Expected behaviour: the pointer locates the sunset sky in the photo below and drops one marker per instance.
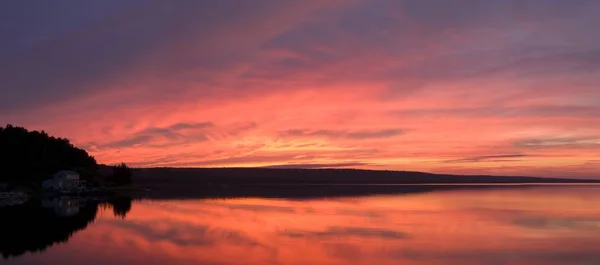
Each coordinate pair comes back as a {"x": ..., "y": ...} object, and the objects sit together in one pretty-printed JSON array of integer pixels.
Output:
[{"x": 448, "y": 86}]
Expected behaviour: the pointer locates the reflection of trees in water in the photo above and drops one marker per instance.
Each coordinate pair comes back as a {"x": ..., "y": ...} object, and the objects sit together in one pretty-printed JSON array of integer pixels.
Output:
[
  {"x": 121, "y": 206},
  {"x": 35, "y": 226},
  {"x": 31, "y": 227}
]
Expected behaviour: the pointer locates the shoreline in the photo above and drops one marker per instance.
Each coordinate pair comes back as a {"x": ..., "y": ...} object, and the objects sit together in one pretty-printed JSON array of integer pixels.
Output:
[
  {"x": 281, "y": 191},
  {"x": 13, "y": 198}
]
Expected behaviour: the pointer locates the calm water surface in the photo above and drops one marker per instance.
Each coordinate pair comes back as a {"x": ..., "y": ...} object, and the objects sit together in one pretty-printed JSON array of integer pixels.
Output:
[{"x": 518, "y": 225}]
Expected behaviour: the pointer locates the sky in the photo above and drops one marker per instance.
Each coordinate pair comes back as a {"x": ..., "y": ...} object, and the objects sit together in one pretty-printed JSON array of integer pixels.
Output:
[{"x": 500, "y": 87}]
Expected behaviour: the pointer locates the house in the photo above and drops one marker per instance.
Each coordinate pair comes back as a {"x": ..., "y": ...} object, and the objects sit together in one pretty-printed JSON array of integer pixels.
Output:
[{"x": 63, "y": 181}]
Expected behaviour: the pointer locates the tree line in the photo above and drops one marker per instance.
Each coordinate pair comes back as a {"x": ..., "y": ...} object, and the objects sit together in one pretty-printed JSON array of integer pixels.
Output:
[{"x": 30, "y": 157}]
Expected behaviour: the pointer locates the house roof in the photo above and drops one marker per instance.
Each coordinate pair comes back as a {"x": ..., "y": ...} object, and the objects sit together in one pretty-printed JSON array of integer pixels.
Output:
[{"x": 67, "y": 174}]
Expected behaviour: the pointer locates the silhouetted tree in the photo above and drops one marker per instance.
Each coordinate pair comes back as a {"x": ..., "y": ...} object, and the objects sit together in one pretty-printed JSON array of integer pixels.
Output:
[
  {"x": 121, "y": 206},
  {"x": 121, "y": 175},
  {"x": 32, "y": 156}
]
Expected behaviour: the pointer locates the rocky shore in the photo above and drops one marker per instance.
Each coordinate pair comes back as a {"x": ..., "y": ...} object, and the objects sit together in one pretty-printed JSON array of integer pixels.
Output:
[{"x": 13, "y": 198}]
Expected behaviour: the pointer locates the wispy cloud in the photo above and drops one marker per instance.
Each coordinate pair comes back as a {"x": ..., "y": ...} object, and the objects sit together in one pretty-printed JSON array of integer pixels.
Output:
[
  {"x": 558, "y": 142},
  {"x": 340, "y": 232},
  {"x": 488, "y": 158},
  {"x": 324, "y": 165},
  {"x": 174, "y": 134},
  {"x": 177, "y": 231},
  {"x": 358, "y": 135}
]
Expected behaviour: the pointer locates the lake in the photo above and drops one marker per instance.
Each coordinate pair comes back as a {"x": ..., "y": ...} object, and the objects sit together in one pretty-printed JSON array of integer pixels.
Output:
[{"x": 492, "y": 225}]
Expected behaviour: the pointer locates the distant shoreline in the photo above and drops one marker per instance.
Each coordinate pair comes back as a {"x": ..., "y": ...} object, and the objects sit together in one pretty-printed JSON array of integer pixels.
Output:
[
  {"x": 435, "y": 184},
  {"x": 272, "y": 176},
  {"x": 307, "y": 183}
]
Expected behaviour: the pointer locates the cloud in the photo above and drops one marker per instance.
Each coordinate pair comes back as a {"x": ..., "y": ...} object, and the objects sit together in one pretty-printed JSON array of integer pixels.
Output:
[
  {"x": 129, "y": 142},
  {"x": 558, "y": 142},
  {"x": 358, "y": 135},
  {"x": 261, "y": 208},
  {"x": 175, "y": 134},
  {"x": 558, "y": 223},
  {"x": 179, "y": 233},
  {"x": 488, "y": 158},
  {"x": 182, "y": 126},
  {"x": 374, "y": 134},
  {"x": 314, "y": 166},
  {"x": 371, "y": 214},
  {"x": 341, "y": 232},
  {"x": 508, "y": 111},
  {"x": 81, "y": 56},
  {"x": 464, "y": 40}
]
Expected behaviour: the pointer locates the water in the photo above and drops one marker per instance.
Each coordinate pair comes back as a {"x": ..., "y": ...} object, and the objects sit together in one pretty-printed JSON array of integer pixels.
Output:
[{"x": 509, "y": 225}]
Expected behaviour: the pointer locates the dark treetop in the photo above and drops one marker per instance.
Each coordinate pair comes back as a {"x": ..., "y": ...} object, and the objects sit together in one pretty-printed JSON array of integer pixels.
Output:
[{"x": 32, "y": 156}]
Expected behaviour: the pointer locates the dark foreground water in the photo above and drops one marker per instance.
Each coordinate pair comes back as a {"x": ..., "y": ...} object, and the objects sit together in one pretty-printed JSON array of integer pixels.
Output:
[{"x": 509, "y": 225}]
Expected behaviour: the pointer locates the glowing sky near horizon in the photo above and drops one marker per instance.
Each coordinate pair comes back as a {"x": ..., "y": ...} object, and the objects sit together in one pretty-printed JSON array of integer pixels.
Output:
[{"x": 466, "y": 86}]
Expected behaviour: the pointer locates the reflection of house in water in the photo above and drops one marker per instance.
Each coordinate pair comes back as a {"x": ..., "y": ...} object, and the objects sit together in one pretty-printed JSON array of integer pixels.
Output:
[
  {"x": 64, "y": 181},
  {"x": 63, "y": 206}
]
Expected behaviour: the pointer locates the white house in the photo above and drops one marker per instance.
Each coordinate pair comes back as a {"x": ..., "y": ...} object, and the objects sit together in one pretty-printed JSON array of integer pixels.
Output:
[{"x": 64, "y": 181}]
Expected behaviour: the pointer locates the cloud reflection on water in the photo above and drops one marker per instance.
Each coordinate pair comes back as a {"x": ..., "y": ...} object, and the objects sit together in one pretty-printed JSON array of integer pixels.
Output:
[{"x": 549, "y": 225}]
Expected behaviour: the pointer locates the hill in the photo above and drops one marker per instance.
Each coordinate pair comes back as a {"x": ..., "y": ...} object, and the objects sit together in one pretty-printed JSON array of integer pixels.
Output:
[
  {"x": 302, "y": 183},
  {"x": 251, "y": 176}
]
